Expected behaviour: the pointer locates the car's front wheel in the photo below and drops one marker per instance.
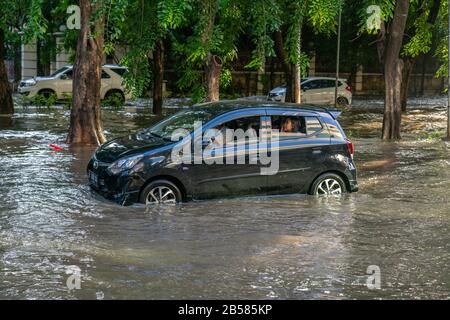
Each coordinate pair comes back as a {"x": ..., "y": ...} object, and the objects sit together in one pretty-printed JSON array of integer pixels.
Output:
[
  {"x": 328, "y": 184},
  {"x": 161, "y": 192},
  {"x": 46, "y": 93}
]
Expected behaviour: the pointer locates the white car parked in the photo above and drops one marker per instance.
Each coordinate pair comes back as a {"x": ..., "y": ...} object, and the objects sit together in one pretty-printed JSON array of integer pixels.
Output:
[
  {"x": 60, "y": 83},
  {"x": 318, "y": 90}
]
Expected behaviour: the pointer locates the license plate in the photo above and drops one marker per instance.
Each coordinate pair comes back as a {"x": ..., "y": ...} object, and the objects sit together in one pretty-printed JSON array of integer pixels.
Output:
[{"x": 93, "y": 178}]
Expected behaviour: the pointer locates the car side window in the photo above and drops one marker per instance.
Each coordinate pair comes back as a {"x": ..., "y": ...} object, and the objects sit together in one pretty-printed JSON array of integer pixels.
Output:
[
  {"x": 119, "y": 71},
  {"x": 311, "y": 85},
  {"x": 69, "y": 74},
  {"x": 313, "y": 125},
  {"x": 292, "y": 127},
  {"x": 307, "y": 85},
  {"x": 105, "y": 75},
  {"x": 236, "y": 131}
]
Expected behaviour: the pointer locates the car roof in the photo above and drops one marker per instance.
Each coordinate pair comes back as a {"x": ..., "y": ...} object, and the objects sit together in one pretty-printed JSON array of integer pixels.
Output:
[
  {"x": 224, "y": 106},
  {"x": 323, "y": 78},
  {"x": 117, "y": 66},
  {"x": 105, "y": 66}
]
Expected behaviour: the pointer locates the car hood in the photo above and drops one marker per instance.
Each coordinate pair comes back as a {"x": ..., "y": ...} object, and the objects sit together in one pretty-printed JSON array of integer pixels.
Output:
[
  {"x": 44, "y": 78},
  {"x": 128, "y": 146},
  {"x": 278, "y": 90}
]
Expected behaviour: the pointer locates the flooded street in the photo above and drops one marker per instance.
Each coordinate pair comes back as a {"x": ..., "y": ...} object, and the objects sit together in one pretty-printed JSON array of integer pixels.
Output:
[{"x": 283, "y": 247}]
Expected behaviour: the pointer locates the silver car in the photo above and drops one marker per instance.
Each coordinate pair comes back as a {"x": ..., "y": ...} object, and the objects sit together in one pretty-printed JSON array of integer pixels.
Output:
[{"x": 318, "y": 90}]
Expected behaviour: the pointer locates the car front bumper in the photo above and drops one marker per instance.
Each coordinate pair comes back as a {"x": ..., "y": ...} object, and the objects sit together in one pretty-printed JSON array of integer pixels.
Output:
[
  {"x": 123, "y": 189},
  {"x": 29, "y": 92}
]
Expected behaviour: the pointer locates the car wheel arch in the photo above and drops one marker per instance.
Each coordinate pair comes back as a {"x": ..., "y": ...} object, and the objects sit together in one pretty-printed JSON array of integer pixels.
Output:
[
  {"x": 180, "y": 185},
  {"x": 337, "y": 172},
  {"x": 113, "y": 91},
  {"x": 52, "y": 91}
]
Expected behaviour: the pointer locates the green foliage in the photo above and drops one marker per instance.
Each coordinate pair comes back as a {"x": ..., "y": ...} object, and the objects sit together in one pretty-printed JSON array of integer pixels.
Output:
[
  {"x": 442, "y": 35},
  {"x": 225, "y": 78},
  {"x": 421, "y": 41},
  {"x": 442, "y": 53},
  {"x": 173, "y": 13},
  {"x": 40, "y": 100},
  {"x": 290, "y": 17},
  {"x": 198, "y": 92},
  {"x": 114, "y": 100},
  {"x": 138, "y": 26},
  {"x": 264, "y": 20},
  {"x": 24, "y": 16},
  {"x": 322, "y": 13}
]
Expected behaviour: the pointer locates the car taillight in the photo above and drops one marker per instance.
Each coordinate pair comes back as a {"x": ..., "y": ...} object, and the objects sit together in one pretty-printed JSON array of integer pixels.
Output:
[
  {"x": 351, "y": 147},
  {"x": 348, "y": 88}
]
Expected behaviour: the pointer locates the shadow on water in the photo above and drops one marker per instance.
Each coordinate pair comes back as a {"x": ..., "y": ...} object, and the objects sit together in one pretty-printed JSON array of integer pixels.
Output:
[
  {"x": 5, "y": 122},
  {"x": 259, "y": 247}
]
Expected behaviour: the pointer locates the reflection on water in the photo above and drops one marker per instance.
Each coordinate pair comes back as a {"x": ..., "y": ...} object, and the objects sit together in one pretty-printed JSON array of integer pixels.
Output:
[{"x": 278, "y": 247}]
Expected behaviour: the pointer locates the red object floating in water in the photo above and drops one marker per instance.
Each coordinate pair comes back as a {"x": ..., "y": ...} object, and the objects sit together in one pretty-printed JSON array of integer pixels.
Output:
[{"x": 54, "y": 146}]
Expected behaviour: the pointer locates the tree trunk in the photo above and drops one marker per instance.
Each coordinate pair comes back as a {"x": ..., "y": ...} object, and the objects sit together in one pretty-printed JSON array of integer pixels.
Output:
[
  {"x": 17, "y": 63},
  {"x": 6, "y": 101},
  {"x": 411, "y": 61},
  {"x": 213, "y": 70},
  {"x": 422, "y": 78},
  {"x": 393, "y": 68},
  {"x": 296, "y": 89},
  {"x": 85, "y": 118},
  {"x": 406, "y": 79},
  {"x": 272, "y": 74},
  {"x": 213, "y": 67},
  {"x": 158, "y": 77},
  {"x": 282, "y": 57},
  {"x": 296, "y": 71}
]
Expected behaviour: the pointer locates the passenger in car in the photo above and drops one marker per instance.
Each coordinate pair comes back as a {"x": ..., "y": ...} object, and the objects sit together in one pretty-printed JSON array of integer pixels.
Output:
[
  {"x": 292, "y": 128},
  {"x": 288, "y": 125}
]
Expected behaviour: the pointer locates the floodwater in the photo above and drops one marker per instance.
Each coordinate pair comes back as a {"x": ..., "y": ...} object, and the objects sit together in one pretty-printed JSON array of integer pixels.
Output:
[{"x": 286, "y": 247}]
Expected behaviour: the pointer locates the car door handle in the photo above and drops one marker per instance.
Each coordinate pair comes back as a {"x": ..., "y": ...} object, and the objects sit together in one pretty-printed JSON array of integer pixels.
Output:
[{"x": 317, "y": 150}]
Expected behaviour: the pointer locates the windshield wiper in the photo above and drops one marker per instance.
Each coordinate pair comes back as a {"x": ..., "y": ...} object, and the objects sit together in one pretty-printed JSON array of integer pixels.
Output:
[{"x": 160, "y": 137}]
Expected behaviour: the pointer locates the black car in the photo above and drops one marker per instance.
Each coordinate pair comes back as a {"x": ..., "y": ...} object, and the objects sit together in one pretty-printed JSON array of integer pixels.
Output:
[{"x": 281, "y": 148}]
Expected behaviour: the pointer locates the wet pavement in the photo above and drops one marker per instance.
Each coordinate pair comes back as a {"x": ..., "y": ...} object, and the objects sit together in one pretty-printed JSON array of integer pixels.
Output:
[{"x": 294, "y": 247}]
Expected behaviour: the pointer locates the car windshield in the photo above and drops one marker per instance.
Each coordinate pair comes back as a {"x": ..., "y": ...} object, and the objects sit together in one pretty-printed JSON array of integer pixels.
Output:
[
  {"x": 54, "y": 74},
  {"x": 183, "y": 120}
]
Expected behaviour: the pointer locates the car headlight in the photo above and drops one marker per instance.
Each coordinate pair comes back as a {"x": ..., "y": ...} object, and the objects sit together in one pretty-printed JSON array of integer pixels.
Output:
[
  {"x": 30, "y": 83},
  {"x": 124, "y": 164}
]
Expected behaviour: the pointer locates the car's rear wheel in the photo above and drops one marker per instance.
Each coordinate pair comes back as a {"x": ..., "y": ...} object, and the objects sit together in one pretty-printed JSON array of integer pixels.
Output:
[
  {"x": 342, "y": 102},
  {"x": 161, "y": 192},
  {"x": 117, "y": 94},
  {"x": 328, "y": 184}
]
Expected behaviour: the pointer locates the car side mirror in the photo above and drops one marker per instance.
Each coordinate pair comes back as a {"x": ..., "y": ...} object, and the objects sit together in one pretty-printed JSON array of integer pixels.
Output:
[
  {"x": 207, "y": 141},
  {"x": 64, "y": 77}
]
